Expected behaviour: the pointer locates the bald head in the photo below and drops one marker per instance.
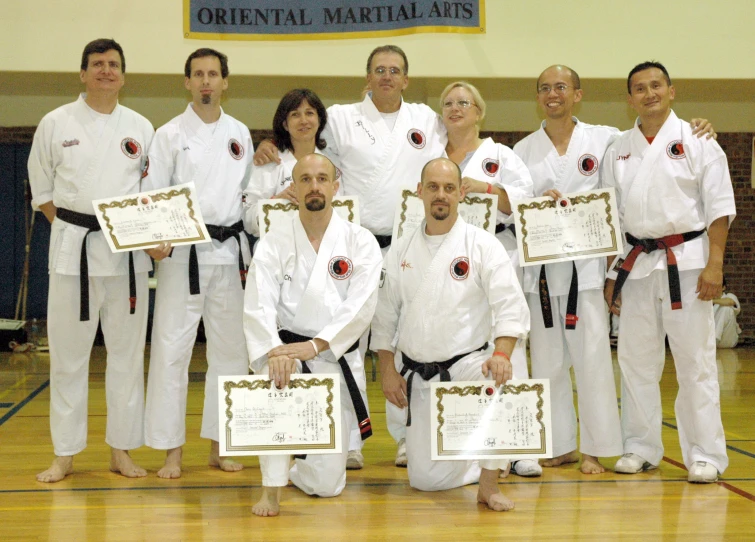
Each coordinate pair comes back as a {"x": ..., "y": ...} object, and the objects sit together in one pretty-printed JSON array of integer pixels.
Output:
[
  {"x": 563, "y": 71},
  {"x": 315, "y": 183},
  {"x": 314, "y": 160},
  {"x": 440, "y": 166}
]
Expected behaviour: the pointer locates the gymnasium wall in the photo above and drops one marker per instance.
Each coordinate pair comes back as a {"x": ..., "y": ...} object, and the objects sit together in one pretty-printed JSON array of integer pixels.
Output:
[{"x": 707, "y": 46}]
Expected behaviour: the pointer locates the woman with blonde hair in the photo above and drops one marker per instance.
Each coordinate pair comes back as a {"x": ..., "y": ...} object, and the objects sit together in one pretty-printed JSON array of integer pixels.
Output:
[{"x": 488, "y": 167}]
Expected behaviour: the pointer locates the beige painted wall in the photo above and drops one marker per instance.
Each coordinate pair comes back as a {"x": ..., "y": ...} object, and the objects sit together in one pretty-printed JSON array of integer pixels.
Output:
[
  {"x": 707, "y": 46},
  {"x": 600, "y": 38}
]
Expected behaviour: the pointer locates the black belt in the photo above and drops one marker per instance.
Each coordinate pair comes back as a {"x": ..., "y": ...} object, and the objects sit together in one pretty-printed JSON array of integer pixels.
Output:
[
  {"x": 383, "y": 240},
  {"x": 571, "y": 304},
  {"x": 427, "y": 371},
  {"x": 90, "y": 223},
  {"x": 222, "y": 234},
  {"x": 365, "y": 426},
  {"x": 501, "y": 227},
  {"x": 647, "y": 246}
]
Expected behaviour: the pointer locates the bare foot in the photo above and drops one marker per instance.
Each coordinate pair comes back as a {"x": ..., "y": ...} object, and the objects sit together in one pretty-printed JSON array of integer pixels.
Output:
[
  {"x": 61, "y": 467},
  {"x": 591, "y": 465},
  {"x": 269, "y": 503},
  {"x": 571, "y": 457},
  {"x": 223, "y": 463},
  {"x": 503, "y": 473},
  {"x": 121, "y": 463},
  {"x": 172, "y": 467},
  {"x": 490, "y": 495}
]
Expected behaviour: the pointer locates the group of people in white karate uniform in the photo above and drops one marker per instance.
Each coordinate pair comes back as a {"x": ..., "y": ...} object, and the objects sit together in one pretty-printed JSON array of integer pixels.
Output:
[{"x": 448, "y": 301}]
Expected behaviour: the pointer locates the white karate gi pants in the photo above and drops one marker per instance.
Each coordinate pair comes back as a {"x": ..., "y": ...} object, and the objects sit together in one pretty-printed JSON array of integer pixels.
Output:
[
  {"x": 323, "y": 475},
  {"x": 220, "y": 304},
  {"x": 646, "y": 318},
  {"x": 70, "y": 348},
  {"x": 587, "y": 348},
  {"x": 424, "y": 473}
]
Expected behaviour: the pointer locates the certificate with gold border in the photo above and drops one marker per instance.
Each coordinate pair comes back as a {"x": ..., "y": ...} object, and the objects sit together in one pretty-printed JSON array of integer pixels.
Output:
[
  {"x": 576, "y": 227},
  {"x": 271, "y": 212},
  {"x": 480, "y": 210},
  {"x": 146, "y": 219},
  {"x": 256, "y": 418},
  {"x": 477, "y": 420}
]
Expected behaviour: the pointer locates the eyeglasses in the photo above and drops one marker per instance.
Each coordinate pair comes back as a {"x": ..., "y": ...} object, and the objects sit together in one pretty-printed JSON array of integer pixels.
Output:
[
  {"x": 461, "y": 104},
  {"x": 382, "y": 70},
  {"x": 560, "y": 88}
]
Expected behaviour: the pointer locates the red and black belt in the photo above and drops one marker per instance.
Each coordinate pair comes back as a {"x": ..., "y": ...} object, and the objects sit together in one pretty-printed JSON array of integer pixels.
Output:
[
  {"x": 90, "y": 223},
  {"x": 571, "y": 303},
  {"x": 647, "y": 246},
  {"x": 428, "y": 371},
  {"x": 222, "y": 234},
  {"x": 363, "y": 417}
]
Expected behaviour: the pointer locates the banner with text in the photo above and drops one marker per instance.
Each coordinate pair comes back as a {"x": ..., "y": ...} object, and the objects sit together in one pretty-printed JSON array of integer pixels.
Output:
[{"x": 327, "y": 19}]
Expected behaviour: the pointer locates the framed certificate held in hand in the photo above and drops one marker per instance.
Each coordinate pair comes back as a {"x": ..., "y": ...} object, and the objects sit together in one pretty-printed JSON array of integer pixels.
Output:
[
  {"x": 256, "y": 418},
  {"x": 578, "y": 226}
]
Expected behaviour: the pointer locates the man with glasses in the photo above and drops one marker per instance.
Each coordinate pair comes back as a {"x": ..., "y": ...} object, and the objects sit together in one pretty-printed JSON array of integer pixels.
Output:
[
  {"x": 90, "y": 149},
  {"x": 569, "y": 325}
]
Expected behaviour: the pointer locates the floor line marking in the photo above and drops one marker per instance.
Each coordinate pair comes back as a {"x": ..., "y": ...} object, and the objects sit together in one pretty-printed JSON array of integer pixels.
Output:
[{"x": 8, "y": 415}]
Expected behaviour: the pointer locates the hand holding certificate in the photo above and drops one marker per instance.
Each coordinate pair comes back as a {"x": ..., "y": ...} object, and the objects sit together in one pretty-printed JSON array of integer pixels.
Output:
[
  {"x": 144, "y": 220},
  {"x": 476, "y": 420},
  {"x": 256, "y": 418},
  {"x": 578, "y": 226}
]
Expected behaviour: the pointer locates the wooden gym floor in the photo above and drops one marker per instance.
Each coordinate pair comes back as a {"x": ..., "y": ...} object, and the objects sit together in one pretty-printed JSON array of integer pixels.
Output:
[{"x": 377, "y": 504}]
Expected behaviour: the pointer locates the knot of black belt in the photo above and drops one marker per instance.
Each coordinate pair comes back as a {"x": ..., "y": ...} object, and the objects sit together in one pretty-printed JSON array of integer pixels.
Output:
[
  {"x": 90, "y": 223},
  {"x": 363, "y": 417},
  {"x": 428, "y": 371},
  {"x": 647, "y": 246},
  {"x": 571, "y": 303},
  {"x": 501, "y": 227},
  {"x": 383, "y": 240},
  {"x": 222, "y": 234}
]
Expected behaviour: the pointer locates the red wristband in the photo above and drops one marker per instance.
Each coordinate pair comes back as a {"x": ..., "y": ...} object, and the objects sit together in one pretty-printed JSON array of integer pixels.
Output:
[
  {"x": 504, "y": 354},
  {"x": 490, "y": 189}
]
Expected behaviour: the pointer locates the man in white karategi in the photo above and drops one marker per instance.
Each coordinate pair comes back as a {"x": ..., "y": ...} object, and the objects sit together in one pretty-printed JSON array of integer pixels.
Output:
[
  {"x": 446, "y": 289},
  {"x": 90, "y": 149},
  {"x": 380, "y": 146},
  {"x": 213, "y": 150},
  {"x": 563, "y": 157},
  {"x": 311, "y": 296},
  {"x": 676, "y": 203}
]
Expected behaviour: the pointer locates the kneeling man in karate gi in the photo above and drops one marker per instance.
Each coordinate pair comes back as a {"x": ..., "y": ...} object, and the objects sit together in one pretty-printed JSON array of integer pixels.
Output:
[
  {"x": 442, "y": 288},
  {"x": 311, "y": 294}
]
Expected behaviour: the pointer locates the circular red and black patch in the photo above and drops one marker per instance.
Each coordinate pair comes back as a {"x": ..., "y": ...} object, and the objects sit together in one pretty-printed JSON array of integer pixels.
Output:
[
  {"x": 489, "y": 391},
  {"x": 340, "y": 268},
  {"x": 416, "y": 138},
  {"x": 675, "y": 150},
  {"x": 460, "y": 268},
  {"x": 490, "y": 166},
  {"x": 236, "y": 149},
  {"x": 131, "y": 148},
  {"x": 588, "y": 164}
]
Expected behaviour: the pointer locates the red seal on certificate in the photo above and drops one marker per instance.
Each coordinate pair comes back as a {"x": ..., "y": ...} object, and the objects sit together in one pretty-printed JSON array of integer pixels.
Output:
[{"x": 489, "y": 391}]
